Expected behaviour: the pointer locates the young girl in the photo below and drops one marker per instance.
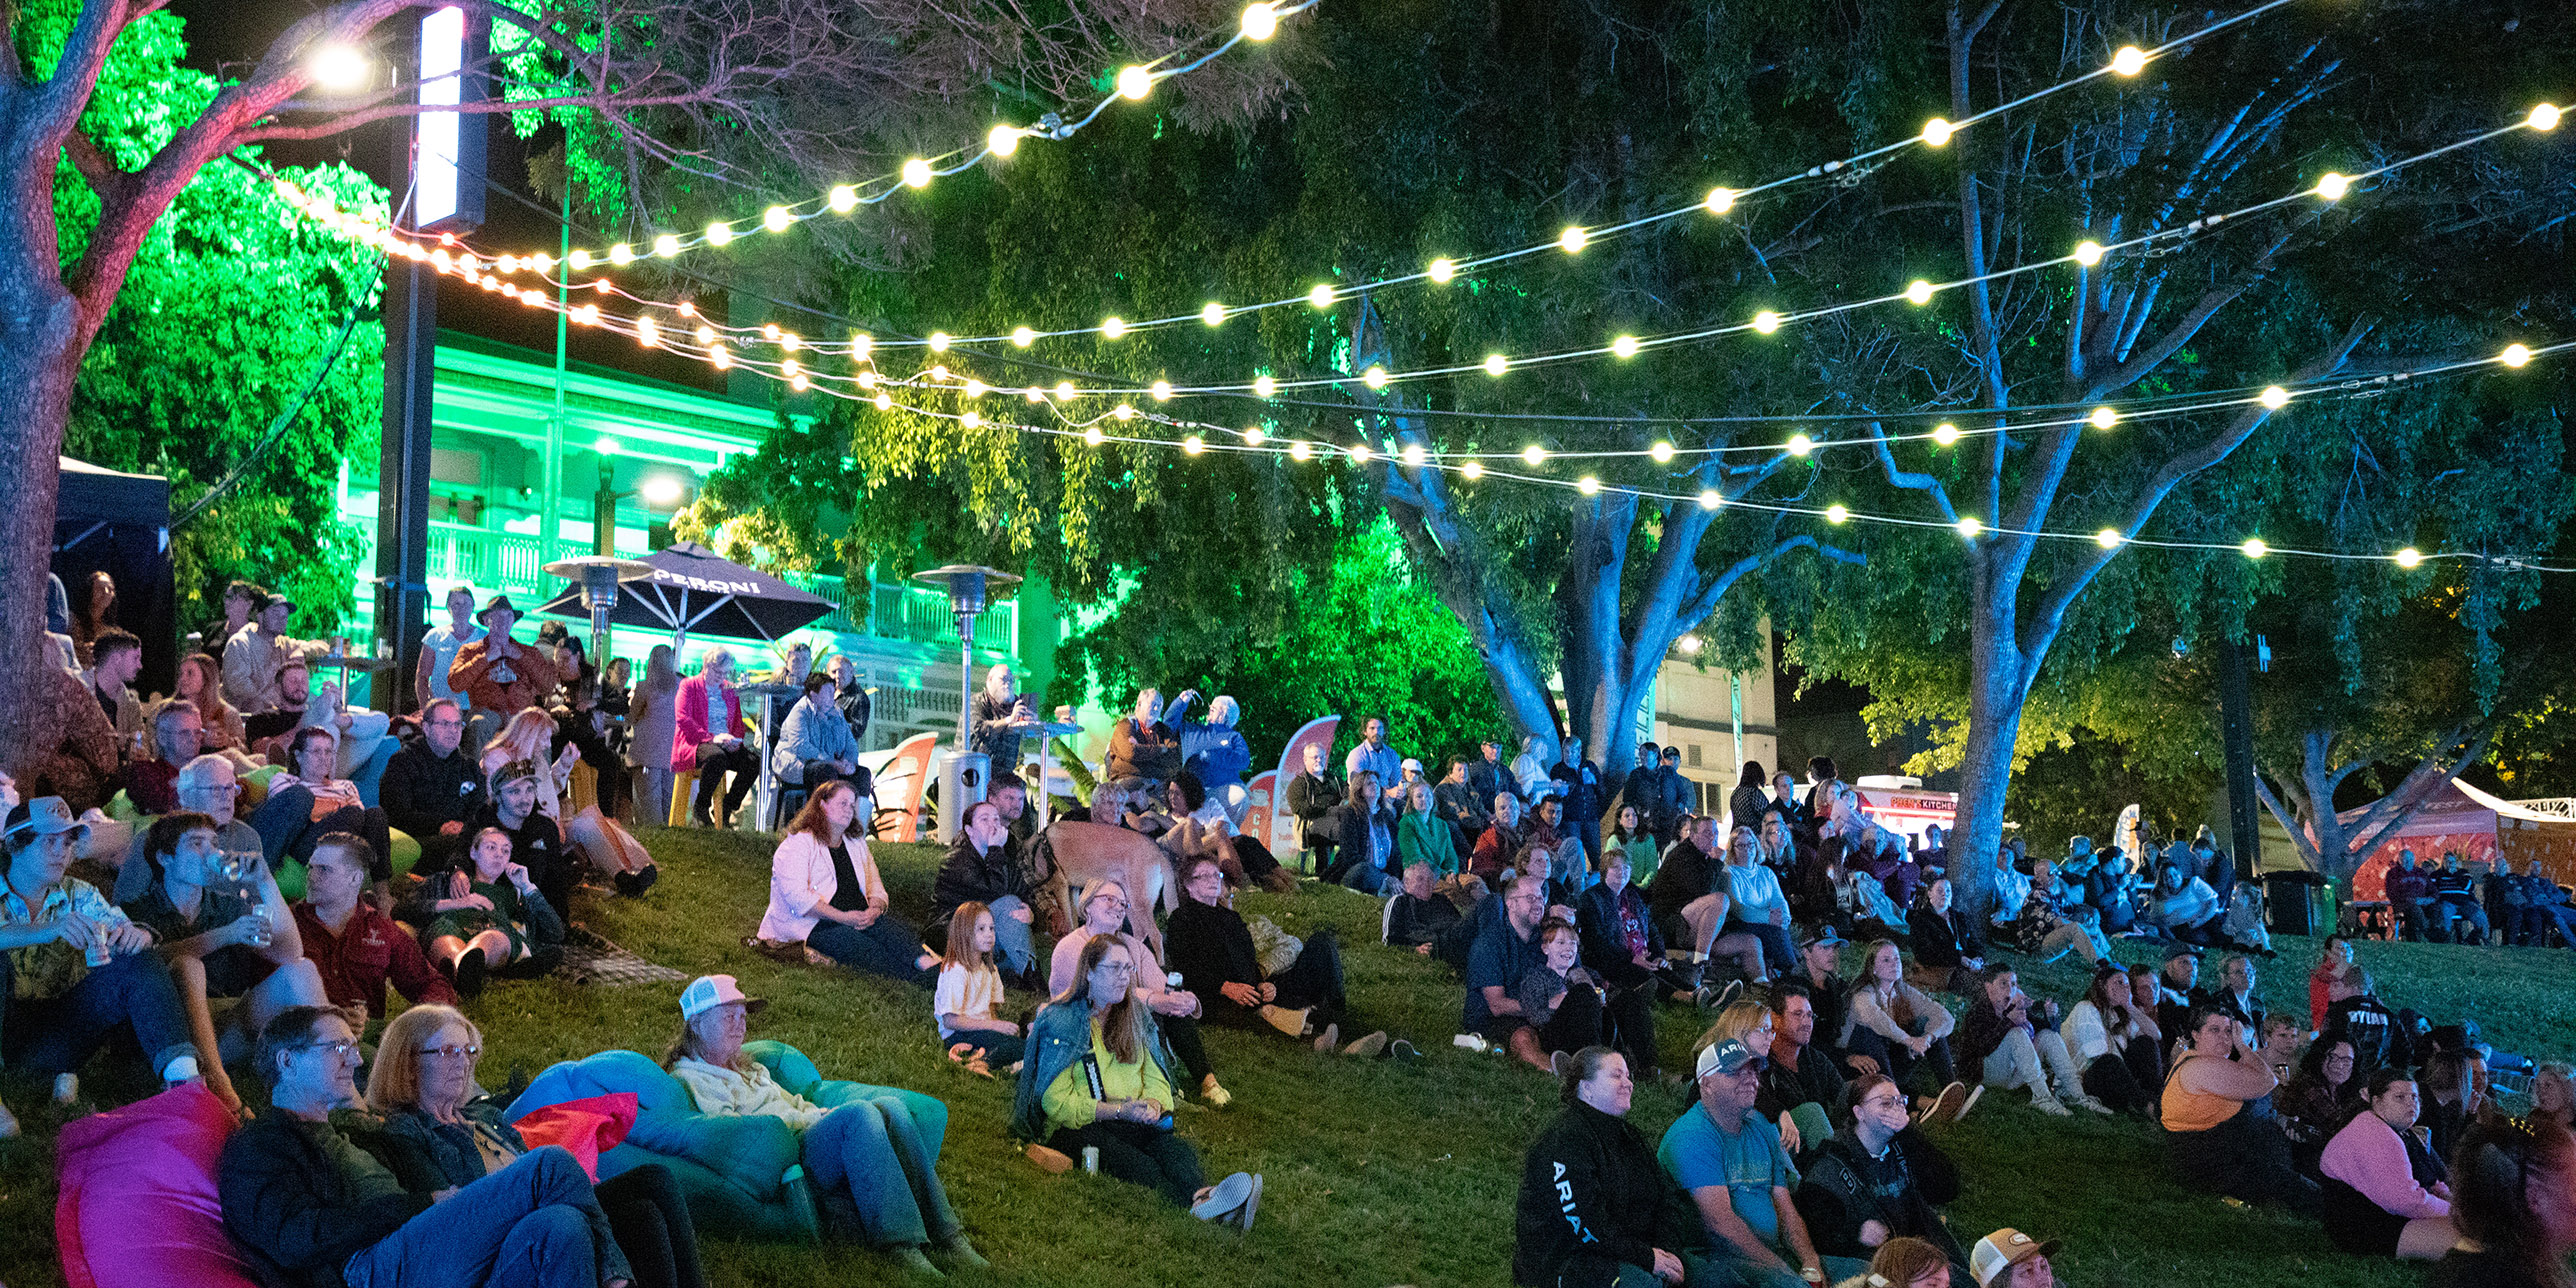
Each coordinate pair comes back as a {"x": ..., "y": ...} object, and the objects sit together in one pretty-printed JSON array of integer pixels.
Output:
[
  {"x": 491, "y": 917},
  {"x": 1561, "y": 1000},
  {"x": 969, "y": 994}
]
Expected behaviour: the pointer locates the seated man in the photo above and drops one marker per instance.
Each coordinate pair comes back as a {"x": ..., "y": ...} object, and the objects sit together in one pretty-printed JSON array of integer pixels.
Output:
[
  {"x": 980, "y": 868},
  {"x": 432, "y": 787},
  {"x": 312, "y": 1208},
  {"x": 814, "y": 743},
  {"x": 1208, "y": 942},
  {"x": 118, "y": 658},
  {"x": 74, "y": 971},
  {"x": 1801, "y": 1085},
  {"x": 536, "y": 842},
  {"x": 308, "y": 801},
  {"x": 2407, "y": 888},
  {"x": 1732, "y": 1165},
  {"x": 207, "y": 786},
  {"x": 267, "y": 728},
  {"x": 1425, "y": 920},
  {"x": 78, "y": 759},
  {"x": 357, "y": 948},
  {"x": 178, "y": 734},
  {"x": 1505, "y": 948},
  {"x": 1862, "y": 1189},
  {"x": 2455, "y": 911}
]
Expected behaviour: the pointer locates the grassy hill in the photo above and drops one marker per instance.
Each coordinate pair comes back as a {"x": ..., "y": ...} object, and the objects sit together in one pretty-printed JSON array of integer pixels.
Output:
[{"x": 1378, "y": 1173}]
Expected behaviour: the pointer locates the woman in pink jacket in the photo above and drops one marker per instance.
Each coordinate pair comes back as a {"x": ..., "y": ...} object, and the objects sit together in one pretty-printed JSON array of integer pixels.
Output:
[
  {"x": 825, "y": 893},
  {"x": 2386, "y": 1194},
  {"x": 714, "y": 747}
]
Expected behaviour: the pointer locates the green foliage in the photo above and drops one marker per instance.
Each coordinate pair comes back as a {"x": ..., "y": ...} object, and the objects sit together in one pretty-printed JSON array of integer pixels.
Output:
[{"x": 233, "y": 302}]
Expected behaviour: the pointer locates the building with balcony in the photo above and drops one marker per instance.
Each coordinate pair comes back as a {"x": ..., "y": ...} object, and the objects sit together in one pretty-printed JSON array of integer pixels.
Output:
[{"x": 627, "y": 452}]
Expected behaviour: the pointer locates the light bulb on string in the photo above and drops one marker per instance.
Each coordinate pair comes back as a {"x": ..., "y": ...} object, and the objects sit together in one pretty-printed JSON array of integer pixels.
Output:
[
  {"x": 621, "y": 254},
  {"x": 790, "y": 341},
  {"x": 1969, "y": 527},
  {"x": 1918, "y": 292},
  {"x": 1301, "y": 450},
  {"x": 718, "y": 234},
  {"x": 1212, "y": 313},
  {"x": 844, "y": 199},
  {"x": 1945, "y": 433},
  {"x": 867, "y": 380},
  {"x": 1264, "y": 386},
  {"x": 1573, "y": 239},
  {"x": 1533, "y": 455},
  {"x": 916, "y": 173},
  {"x": 1837, "y": 513},
  {"x": 1360, "y": 454},
  {"x": 884, "y": 402},
  {"x": 1260, "y": 21},
  {"x": 861, "y": 346},
  {"x": 1023, "y": 337},
  {"x": 648, "y": 333},
  {"x": 2332, "y": 186},
  {"x": 1661, "y": 452},
  {"x": 666, "y": 246},
  {"x": 1374, "y": 378},
  {"x": 2108, "y": 538},
  {"x": 720, "y": 357},
  {"x": 1162, "y": 391},
  {"x": 1004, "y": 140},
  {"x": 971, "y": 419},
  {"x": 1123, "y": 412},
  {"x": 1415, "y": 454},
  {"x": 1064, "y": 391},
  {"x": 2543, "y": 118},
  {"x": 776, "y": 219},
  {"x": 1800, "y": 444},
  {"x": 1720, "y": 200},
  {"x": 976, "y": 388},
  {"x": 2103, "y": 418},
  {"x": 1134, "y": 82},
  {"x": 1113, "y": 328},
  {"x": 1495, "y": 364},
  {"x": 2408, "y": 557},
  {"x": 1321, "y": 296},
  {"x": 939, "y": 342},
  {"x": 706, "y": 335},
  {"x": 2254, "y": 548},
  {"x": 541, "y": 261},
  {"x": 2129, "y": 61},
  {"x": 2088, "y": 253},
  {"x": 1766, "y": 321},
  {"x": 1936, "y": 132},
  {"x": 1472, "y": 471},
  {"x": 2274, "y": 398},
  {"x": 1588, "y": 485},
  {"x": 939, "y": 374},
  {"x": 1094, "y": 437},
  {"x": 1442, "y": 270},
  {"x": 1625, "y": 346},
  {"x": 1193, "y": 445},
  {"x": 2515, "y": 355},
  {"x": 1710, "y": 499},
  {"x": 1253, "y": 437}
]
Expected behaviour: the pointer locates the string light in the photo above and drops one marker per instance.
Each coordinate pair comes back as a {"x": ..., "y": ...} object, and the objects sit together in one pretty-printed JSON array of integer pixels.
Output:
[
  {"x": 2274, "y": 398},
  {"x": 1720, "y": 200},
  {"x": 2332, "y": 186},
  {"x": 1301, "y": 450},
  {"x": 1002, "y": 142},
  {"x": 1495, "y": 364},
  {"x": 1936, "y": 133},
  {"x": 719, "y": 233},
  {"x": 1212, "y": 313},
  {"x": 1321, "y": 296},
  {"x": 1711, "y": 498},
  {"x": 2543, "y": 118},
  {"x": 1533, "y": 455},
  {"x": 1837, "y": 514},
  {"x": 1134, "y": 82},
  {"x": 1253, "y": 437},
  {"x": 1945, "y": 433},
  {"x": 775, "y": 219},
  {"x": 1662, "y": 453},
  {"x": 1162, "y": 391},
  {"x": 1193, "y": 445},
  {"x": 2107, "y": 538},
  {"x": 1573, "y": 239},
  {"x": 1918, "y": 292},
  {"x": 1800, "y": 444},
  {"x": 1442, "y": 270},
  {"x": 2515, "y": 355},
  {"x": 1264, "y": 386},
  {"x": 2103, "y": 418},
  {"x": 844, "y": 198},
  {"x": 1094, "y": 437},
  {"x": 1588, "y": 485},
  {"x": 939, "y": 341},
  {"x": 1766, "y": 321},
  {"x": 2408, "y": 557},
  {"x": 1359, "y": 454},
  {"x": 2088, "y": 253},
  {"x": 916, "y": 172},
  {"x": 1969, "y": 527},
  {"x": 1375, "y": 378},
  {"x": 1472, "y": 471},
  {"x": 1415, "y": 454},
  {"x": 2254, "y": 548},
  {"x": 1113, "y": 328},
  {"x": 2129, "y": 61},
  {"x": 1023, "y": 337},
  {"x": 1260, "y": 22},
  {"x": 1625, "y": 346}
]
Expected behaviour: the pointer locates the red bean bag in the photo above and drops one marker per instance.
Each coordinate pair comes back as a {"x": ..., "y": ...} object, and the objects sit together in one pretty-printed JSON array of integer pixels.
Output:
[
  {"x": 587, "y": 1127},
  {"x": 137, "y": 1207}
]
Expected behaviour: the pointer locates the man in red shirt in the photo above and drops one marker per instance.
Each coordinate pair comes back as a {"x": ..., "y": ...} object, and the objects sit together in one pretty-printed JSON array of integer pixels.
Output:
[{"x": 356, "y": 947}]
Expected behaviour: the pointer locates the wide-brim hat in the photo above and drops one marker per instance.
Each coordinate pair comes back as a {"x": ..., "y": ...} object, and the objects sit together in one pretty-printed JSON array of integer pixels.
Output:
[
  {"x": 43, "y": 816},
  {"x": 498, "y": 603}
]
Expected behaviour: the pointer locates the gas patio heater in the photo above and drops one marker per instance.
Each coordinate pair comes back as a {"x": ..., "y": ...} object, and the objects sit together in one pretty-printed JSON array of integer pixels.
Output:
[
  {"x": 599, "y": 576},
  {"x": 967, "y": 774}
]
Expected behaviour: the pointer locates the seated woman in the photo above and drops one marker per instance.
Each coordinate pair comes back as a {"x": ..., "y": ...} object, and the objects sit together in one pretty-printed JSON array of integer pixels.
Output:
[
  {"x": 1422, "y": 836},
  {"x": 487, "y": 916},
  {"x": 1561, "y": 1000},
  {"x": 1176, "y": 1010},
  {"x": 2218, "y": 1144},
  {"x": 1948, "y": 952},
  {"x": 439, "y": 1134},
  {"x": 226, "y": 932},
  {"x": 2553, "y": 1092},
  {"x": 873, "y": 1166},
  {"x": 1098, "y": 1078},
  {"x": 1896, "y": 1024},
  {"x": 1212, "y": 948},
  {"x": 1197, "y": 827},
  {"x": 611, "y": 850},
  {"x": 1630, "y": 836},
  {"x": 2385, "y": 1193},
  {"x": 2510, "y": 1184},
  {"x": 968, "y": 1000},
  {"x": 306, "y": 802},
  {"x": 825, "y": 893},
  {"x": 2319, "y": 1098},
  {"x": 2115, "y": 1042},
  {"x": 201, "y": 682},
  {"x": 1595, "y": 1207},
  {"x": 1366, "y": 849}
]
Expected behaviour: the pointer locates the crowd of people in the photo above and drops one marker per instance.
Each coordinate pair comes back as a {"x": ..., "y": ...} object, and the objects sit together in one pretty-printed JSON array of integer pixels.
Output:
[{"x": 247, "y": 826}]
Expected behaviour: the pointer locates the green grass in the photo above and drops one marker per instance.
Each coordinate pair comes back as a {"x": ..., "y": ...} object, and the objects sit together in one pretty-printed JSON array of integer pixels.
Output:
[{"x": 1377, "y": 1173}]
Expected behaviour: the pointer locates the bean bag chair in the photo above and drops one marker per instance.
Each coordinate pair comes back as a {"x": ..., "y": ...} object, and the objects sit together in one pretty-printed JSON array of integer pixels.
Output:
[
  {"x": 583, "y": 1128},
  {"x": 137, "y": 1206}
]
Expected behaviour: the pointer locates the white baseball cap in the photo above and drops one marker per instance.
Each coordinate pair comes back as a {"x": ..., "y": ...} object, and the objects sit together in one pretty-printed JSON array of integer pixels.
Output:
[{"x": 707, "y": 992}]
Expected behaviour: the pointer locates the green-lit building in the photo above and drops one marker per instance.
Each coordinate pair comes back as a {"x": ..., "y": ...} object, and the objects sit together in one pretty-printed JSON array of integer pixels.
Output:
[{"x": 638, "y": 448}]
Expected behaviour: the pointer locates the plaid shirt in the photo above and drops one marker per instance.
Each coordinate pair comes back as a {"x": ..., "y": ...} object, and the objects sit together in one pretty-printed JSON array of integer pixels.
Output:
[{"x": 50, "y": 969}]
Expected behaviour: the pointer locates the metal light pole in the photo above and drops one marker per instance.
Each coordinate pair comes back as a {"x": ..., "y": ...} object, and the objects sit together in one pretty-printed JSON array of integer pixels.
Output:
[{"x": 963, "y": 781}]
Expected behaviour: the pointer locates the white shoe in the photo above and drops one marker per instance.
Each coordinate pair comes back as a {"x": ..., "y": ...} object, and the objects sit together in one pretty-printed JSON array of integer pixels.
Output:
[
  {"x": 1225, "y": 1198},
  {"x": 2049, "y": 1105}
]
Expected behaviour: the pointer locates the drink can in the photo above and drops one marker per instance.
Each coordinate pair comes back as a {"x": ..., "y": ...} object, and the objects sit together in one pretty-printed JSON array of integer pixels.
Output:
[
  {"x": 1091, "y": 1158},
  {"x": 96, "y": 954}
]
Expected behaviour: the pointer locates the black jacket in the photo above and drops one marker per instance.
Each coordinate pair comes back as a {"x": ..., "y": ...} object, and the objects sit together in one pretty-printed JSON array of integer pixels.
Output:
[
  {"x": 420, "y": 792},
  {"x": 1684, "y": 874},
  {"x": 1814, "y": 1079},
  {"x": 1583, "y": 790},
  {"x": 1593, "y": 1198},
  {"x": 1486, "y": 780},
  {"x": 1943, "y": 940},
  {"x": 1412, "y": 922},
  {"x": 1211, "y": 947},
  {"x": 1643, "y": 790},
  {"x": 1596, "y": 914},
  {"x": 981, "y": 878},
  {"x": 1310, "y": 797},
  {"x": 1844, "y": 1187},
  {"x": 302, "y": 1199}
]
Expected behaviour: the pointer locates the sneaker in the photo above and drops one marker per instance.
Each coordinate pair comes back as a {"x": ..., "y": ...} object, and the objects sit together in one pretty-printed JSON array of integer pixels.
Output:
[
  {"x": 1054, "y": 1162},
  {"x": 1251, "y": 1204},
  {"x": 1714, "y": 997},
  {"x": 2096, "y": 1106},
  {"x": 469, "y": 972},
  {"x": 958, "y": 1248},
  {"x": 1216, "y": 1096},
  {"x": 1367, "y": 1046},
  {"x": 66, "y": 1088},
  {"x": 1292, "y": 1023},
  {"x": 1328, "y": 1040},
  {"x": 1945, "y": 1107},
  {"x": 1975, "y": 1094},
  {"x": 632, "y": 884},
  {"x": 1225, "y": 1198},
  {"x": 910, "y": 1258},
  {"x": 2049, "y": 1105}
]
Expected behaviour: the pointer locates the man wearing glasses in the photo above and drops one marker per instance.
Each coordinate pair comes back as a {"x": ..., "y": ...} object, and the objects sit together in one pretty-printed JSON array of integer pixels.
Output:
[
  {"x": 207, "y": 786},
  {"x": 431, "y": 788},
  {"x": 315, "y": 1209}
]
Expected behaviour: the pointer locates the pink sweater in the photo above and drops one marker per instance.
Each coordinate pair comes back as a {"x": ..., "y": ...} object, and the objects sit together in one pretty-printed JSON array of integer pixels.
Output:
[{"x": 2367, "y": 1156}]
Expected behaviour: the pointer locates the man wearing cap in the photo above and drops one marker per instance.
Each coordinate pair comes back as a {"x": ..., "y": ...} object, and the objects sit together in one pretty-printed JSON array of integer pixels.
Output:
[
  {"x": 1488, "y": 777},
  {"x": 536, "y": 842},
  {"x": 1732, "y": 1165},
  {"x": 498, "y": 674},
  {"x": 74, "y": 969},
  {"x": 252, "y": 657},
  {"x": 2010, "y": 1259},
  {"x": 1374, "y": 756}
]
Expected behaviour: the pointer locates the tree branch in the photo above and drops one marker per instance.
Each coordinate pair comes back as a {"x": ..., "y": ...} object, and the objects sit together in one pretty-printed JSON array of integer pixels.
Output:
[{"x": 94, "y": 165}]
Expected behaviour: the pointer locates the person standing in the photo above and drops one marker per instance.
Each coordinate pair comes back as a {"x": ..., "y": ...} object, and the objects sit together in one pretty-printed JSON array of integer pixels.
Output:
[
  {"x": 1372, "y": 755},
  {"x": 654, "y": 721},
  {"x": 1583, "y": 793},
  {"x": 1595, "y": 1210},
  {"x": 1214, "y": 749},
  {"x": 438, "y": 647},
  {"x": 1681, "y": 795},
  {"x": 1312, "y": 796},
  {"x": 1643, "y": 788}
]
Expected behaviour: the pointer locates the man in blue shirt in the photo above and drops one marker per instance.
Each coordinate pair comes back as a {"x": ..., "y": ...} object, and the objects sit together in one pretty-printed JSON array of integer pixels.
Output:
[
  {"x": 1374, "y": 756},
  {"x": 1732, "y": 1165},
  {"x": 1504, "y": 951}
]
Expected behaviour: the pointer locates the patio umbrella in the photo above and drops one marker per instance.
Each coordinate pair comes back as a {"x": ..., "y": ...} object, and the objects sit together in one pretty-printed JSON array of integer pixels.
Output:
[{"x": 692, "y": 591}]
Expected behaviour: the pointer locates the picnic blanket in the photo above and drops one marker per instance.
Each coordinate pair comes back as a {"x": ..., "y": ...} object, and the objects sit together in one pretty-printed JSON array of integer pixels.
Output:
[{"x": 589, "y": 958}]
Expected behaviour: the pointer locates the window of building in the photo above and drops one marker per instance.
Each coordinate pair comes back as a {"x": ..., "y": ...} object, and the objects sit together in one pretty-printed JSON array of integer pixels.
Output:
[{"x": 1694, "y": 755}]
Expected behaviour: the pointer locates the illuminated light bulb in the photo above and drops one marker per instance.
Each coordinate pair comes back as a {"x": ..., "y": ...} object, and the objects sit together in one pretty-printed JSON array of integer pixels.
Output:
[
  {"x": 1415, "y": 454},
  {"x": 971, "y": 419},
  {"x": 1588, "y": 485},
  {"x": 2543, "y": 118},
  {"x": 867, "y": 380},
  {"x": 2088, "y": 253},
  {"x": 1625, "y": 346},
  {"x": 1443, "y": 269},
  {"x": 1720, "y": 200},
  {"x": 1034, "y": 394},
  {"x": 775, "y": 219},
  {"x": 791, "y": 342},
  {"x": 939, "y": 374},
  {"x": 1064, "y": 391},
  {"x": 1134, "y": 82},
  {"x": 2515, "y": 355},
  {"x": 1573, "y": 239},
  {"x": 1260, "y": 22},
  {"x": 2408, "y": 557},
  {"x": 861, "y": 345},
  {"x": 1023, "y": 336},
  {"x": 601, "y": 285},
  {"x": 2254, "y": 548},
  {"x": 1003, "y": 140},
  {"x": 1918, "y": 292},
  {"x": 339, "y": 69},
  {"x": 1321, "y": 297},
  {"x": 1094, "y": 437},
  {"x": 706, "y": 335},
  {"x": 544, "y": 263},
  {"x": 2275, "y": 398},
  {"x": 2103, "y": 418},
  {"x": 1212, "y": 313},
  {"x": 1662, "y": 452},
  {"x": 2332, "y": 186},
  {"x": 1253, "y": 437},
  {"x": 648, "y": 333},
  {"x": 1123, "y": 412},
  {"x": 1193, "y": 445},
  {"x": 720, "y": 234},
  {"x": 975, "y": 388},
  {"x": 916, "y": 173},
  {"x": 1710, "y": 499},
  {"x": 1496, "y": 364},
  {"x": 441, "y": 260},
  {"x": 1472, "y": 471},
  {"x": 720, "y": 357},
  {"x": 2129, "y": 61},
  {"x": 1113, "y": 328},
  {"x": 507, "y": 264},
  {"x": 1800, "y": 444},
  {"x": 790, "y": 367},
  {"x": 843, "y": 199},
  {"x": 1374, "y": 378},
  {"x": 1969, "y": 527},
  {"x": 688, "y": 309},
  {"x": 1937, "y": 132},
  {"x": 2108, "y": 538},
  {"x": 1360, "y": 454},
  {"x": 939, "y": 341},
  {"x": 885, "y": 402},
  {"x": 1300, "y": 450},
  {"x": 666, "y": 246},
  {"x": 1766, "y": 321},
  {"x": 1945, "y": 433},
  {"x": 1162, "y": 390},
  {"x": 1264, "y": 386},
  {"x": 769, "y": 331},
  {"x": 1533, "y": 455},
  {"x": 1837, "y": 514}
]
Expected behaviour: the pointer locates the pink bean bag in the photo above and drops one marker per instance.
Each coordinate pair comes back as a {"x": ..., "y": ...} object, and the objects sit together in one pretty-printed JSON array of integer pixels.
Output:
[
  {"x": 588, "y": 1127},
  {"x": 137, "y": 1207}
]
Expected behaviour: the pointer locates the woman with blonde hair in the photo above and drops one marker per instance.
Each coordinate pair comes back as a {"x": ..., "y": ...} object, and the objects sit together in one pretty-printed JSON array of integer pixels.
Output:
[
  {"x": 1746, "y": 1021},
  {"x": 826, "y": 894},
  {"x": 1904, "y": 1262},
  {"x": 439, "y": 1134},
  {"x": 201, "y": 682},
  {"x": 610, "y": 849}
]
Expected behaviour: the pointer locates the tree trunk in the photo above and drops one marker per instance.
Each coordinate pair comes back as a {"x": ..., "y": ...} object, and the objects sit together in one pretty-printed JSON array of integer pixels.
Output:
[
  {"x": 1995, "y": 693},
  {"x": 40, "y": 346}
]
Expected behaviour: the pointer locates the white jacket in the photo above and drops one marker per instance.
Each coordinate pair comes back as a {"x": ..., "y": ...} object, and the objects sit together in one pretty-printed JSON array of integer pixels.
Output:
[{"x": 800, "y": 880}]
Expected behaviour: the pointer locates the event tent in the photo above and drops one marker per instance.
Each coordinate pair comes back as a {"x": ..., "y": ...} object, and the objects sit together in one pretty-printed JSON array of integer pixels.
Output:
[{"x": 2482, "y": 828}]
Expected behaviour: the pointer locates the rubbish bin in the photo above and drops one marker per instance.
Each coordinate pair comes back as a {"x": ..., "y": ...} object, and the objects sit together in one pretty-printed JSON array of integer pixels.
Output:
[
  {"x": 2294, "y": 898},
  {"x": 963, "y": 780}
]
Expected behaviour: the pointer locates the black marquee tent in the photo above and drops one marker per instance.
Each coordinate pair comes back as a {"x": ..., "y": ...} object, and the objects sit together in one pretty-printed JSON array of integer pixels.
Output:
[{"x": 120, "y": 523}]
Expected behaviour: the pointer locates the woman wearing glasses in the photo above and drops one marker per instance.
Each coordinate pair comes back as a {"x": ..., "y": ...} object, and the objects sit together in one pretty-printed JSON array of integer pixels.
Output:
[
  {"x": 1176, "y": 1009},
  {"x": 438, "y": 1134}
]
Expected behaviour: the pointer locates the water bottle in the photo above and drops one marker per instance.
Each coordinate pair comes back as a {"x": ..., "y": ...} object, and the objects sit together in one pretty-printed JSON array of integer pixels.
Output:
[{"x": 1091, "y": 1158}]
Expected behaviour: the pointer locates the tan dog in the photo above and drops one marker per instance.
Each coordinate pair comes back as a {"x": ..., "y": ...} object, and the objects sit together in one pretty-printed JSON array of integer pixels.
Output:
[{"x": 1085, "y": 853}]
